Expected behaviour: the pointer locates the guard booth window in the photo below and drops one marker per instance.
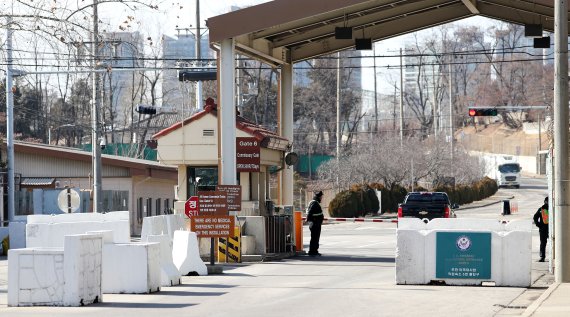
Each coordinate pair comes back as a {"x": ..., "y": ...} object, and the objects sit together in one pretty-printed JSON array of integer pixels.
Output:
[{"x": 202, "y": 179}]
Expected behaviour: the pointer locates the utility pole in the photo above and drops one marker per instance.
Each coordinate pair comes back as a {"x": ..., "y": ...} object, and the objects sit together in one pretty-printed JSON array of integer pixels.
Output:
[
  {"x": 338, "y": 134},
  {"x": 375, "y": 93},
  {"x": 450, "y": 109},
  {"x": 401, "y": 101},
  {"x": 198, "y": 57},
  {"x": 95, "y": 150},
  {"x": 10, "y": 121},
  {"x": 394, "y": 108},
  {"x": 435, "y": 117},
  {"x": 561, "y": 199}
]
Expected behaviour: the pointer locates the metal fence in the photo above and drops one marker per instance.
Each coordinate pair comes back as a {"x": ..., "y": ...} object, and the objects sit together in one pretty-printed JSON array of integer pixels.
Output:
[
  {"x": 279, "y": 234},
  {"x": 503, "y": 144}
]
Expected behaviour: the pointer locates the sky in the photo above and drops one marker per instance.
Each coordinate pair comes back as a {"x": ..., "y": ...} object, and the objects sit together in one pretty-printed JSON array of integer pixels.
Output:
[
  {"x": 182, "y": 14},
  {"x": 173, "y": 14},
  {"x": 179, "y": 14},
  {"x": 388, "y": 67}
]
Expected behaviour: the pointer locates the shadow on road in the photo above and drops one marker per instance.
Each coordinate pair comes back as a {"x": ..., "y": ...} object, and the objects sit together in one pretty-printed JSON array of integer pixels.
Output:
[
  {"x": 189, "y": 293},
  {"x": 346, "y": 258},
  {"x": 141, "y": 305},
  {"x": 534, "y": 187}
]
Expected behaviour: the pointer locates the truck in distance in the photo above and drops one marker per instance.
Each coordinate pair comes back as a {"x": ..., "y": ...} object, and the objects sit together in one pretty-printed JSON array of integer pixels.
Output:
[
  {"x": 427, "y": 205},
  {"x": 509, "y": 175}
]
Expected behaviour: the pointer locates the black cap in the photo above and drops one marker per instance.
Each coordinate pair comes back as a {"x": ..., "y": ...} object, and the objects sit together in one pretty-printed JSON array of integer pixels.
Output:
[{"x": 318, "y": 193}]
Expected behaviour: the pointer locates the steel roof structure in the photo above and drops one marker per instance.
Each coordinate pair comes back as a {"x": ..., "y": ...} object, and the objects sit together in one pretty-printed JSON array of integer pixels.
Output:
[{"x": 289, "y": 31}]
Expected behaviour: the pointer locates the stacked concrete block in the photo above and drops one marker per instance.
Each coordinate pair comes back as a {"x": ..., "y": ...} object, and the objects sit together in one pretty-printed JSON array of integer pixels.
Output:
[
  {"x": 132, "y": 268},
  {"x": 82, "y": 263},
  {"x": 49, "y": 230},
  {"x": 126, "y": 268},
  {"x": 69, "y": 276}
]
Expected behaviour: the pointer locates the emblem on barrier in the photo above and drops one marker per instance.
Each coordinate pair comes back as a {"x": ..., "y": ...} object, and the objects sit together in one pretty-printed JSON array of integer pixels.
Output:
[{"x": 463, "y": 243}]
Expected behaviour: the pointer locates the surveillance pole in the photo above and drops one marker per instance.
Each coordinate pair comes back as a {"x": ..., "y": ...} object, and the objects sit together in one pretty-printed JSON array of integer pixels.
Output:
[
  {"x": 95, "y": 102},
  {"x": 10, "y": 121}
]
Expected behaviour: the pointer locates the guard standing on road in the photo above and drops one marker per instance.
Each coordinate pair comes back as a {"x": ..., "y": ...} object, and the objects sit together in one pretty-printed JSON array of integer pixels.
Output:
[
  {"x": 541, "y": 221},
  {"x": 315, "y": 219}
]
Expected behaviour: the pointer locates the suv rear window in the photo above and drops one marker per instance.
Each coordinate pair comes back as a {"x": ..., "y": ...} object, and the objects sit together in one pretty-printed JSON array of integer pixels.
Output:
[{"x": 427, "y": 197}]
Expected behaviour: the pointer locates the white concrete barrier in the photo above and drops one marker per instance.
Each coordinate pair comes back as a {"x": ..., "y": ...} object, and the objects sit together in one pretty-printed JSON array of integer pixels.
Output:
[
  {"x": 186, "y": 255},
  {"x": 68, "y": 276},
  {"x": 169, "y": 274},
  {"x": 155, "y": 225},
  {"x": 49, "y": 230},
  {"x": 127, "y": 267},
  {"x": 131, "y": 268},
  {"x": 164, "y": 224},
  {"x": 464, "y": 252},
  {"x": 82, "y": 264}
]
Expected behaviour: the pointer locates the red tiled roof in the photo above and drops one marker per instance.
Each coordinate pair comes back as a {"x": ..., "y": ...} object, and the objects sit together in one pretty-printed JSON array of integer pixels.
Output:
[{"x": 263, "y": 135}]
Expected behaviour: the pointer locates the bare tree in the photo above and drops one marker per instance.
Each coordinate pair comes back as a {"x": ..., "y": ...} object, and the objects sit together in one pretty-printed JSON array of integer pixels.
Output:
[{"x": 383, "y": 160}]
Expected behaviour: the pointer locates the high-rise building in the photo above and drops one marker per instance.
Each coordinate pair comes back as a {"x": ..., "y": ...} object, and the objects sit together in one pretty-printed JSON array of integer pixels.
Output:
[
  {"x": 176, "y": 50},
  {"x": 120, "y": 50}
]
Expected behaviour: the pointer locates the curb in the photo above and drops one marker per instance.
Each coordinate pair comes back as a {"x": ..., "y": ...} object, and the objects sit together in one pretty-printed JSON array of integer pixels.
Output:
[
  {"x": 484, "y": 205},
  {"x": 538, "y": 302}
]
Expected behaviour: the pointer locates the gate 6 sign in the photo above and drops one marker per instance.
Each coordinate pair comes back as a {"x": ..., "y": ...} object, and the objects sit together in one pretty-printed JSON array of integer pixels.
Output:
[
  {"x": 192, "y": 207},
  {"x": 247, "y": 155}
]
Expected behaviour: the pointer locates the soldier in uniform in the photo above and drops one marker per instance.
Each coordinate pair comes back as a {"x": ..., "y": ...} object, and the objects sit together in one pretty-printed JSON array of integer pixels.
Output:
[{"x": 315, "y": 219}]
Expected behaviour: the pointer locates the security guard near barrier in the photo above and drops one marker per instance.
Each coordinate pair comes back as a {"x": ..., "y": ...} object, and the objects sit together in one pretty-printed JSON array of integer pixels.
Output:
[
  {"x": 541, "y": 221},
  {"x": 315, "y": 219}
]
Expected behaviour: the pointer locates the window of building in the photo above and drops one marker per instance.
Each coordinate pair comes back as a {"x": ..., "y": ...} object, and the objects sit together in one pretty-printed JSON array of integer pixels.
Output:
[
  {"x": 148, "y": 207},
  {"x": 140, "y": 210},
  {"x": 158, "y": 208},
  {"x": 167, "y": 206}
]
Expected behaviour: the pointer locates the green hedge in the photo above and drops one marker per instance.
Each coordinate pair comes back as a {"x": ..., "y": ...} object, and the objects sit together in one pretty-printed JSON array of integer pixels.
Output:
[
  {"x": 360, "y": 200},
  {"x": 462, "y": 194}
]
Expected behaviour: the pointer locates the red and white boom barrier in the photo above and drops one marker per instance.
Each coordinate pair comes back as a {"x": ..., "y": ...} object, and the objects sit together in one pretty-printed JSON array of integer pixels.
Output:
[{"x": 357, "y": 220}]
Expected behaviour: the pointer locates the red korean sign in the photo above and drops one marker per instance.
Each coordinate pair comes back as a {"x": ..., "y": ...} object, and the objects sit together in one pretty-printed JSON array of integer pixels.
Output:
[
  {"x": 192, "y": 207},
  {"x": 248, "y": 158}
]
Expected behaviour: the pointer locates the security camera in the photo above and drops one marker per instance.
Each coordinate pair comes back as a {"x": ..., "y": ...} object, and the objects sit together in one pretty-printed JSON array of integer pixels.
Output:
[
  {"x": 103, "y": 143},
  {"x": 198, "y": 179}
]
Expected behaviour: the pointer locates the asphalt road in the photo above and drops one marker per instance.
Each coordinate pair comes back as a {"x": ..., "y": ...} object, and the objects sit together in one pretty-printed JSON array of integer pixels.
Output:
[{"x": 355, "y": 277}]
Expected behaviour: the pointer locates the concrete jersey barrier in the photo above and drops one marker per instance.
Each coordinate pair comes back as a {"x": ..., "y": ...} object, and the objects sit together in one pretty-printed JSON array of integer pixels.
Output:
[{"x": 464, "y": 252}]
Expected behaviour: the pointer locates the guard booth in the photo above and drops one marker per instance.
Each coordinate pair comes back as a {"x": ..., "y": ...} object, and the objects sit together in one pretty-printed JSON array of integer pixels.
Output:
[{"x": 192, "y": 146}]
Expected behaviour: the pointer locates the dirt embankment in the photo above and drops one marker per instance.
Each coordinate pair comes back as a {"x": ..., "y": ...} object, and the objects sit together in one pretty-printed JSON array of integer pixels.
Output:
[{"x": 497, "y": 138}]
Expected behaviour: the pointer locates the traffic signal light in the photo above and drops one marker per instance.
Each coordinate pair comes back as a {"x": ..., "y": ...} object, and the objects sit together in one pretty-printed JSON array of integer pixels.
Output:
[
  {"x": 197, "y": 75},
  {"x": 145, "y": 109},
  {"x": 482, "y": 112}
]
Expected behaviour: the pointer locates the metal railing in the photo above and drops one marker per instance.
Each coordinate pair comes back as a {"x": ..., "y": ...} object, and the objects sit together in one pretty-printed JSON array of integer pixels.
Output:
[{"x": 279, "y": 234}]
